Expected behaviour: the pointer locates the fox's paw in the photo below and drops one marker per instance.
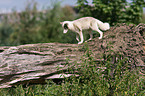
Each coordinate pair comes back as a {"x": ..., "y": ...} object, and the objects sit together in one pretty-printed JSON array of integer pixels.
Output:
[
  {"x": 80, "y": 42},
  {"x": 90, "y": 39},
  {"x": 100, "y": 37}
]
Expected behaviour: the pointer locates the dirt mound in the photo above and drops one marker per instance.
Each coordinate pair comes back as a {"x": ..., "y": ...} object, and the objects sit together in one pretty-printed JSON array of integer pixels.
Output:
[{"x": 123, "y": 39}]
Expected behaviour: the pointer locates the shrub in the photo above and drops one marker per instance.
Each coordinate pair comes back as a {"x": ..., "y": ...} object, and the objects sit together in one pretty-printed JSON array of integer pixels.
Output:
[{"x": 113, "y": 11}]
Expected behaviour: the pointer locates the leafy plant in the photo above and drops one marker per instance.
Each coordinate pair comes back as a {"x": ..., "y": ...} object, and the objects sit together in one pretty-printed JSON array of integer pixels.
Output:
[{"x": 113, "y": 11}]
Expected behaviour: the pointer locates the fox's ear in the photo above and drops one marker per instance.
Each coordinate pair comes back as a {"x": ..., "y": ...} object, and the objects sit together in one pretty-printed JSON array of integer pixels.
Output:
[{"x": 61, "y": 22}]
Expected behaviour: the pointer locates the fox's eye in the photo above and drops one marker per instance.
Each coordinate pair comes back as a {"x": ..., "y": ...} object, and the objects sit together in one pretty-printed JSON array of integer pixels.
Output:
[{"x": 66, "y": 26}]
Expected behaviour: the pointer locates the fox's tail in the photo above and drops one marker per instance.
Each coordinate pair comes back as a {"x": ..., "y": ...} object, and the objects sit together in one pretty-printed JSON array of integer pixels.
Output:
[{"x": 104, "y": 26}]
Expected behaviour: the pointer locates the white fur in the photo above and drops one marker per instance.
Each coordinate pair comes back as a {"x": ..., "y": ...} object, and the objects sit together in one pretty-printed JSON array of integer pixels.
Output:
[{"x": 85, "y": 23}]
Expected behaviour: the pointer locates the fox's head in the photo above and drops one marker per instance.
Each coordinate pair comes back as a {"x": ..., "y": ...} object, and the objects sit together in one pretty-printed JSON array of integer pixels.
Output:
[{"x": 65, "y": 26}]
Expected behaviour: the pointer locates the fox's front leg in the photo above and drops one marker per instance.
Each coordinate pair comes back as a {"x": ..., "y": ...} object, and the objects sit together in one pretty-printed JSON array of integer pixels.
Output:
[
  {"x": 95, "y": 28},
  {"x": 81, "y": 36},
  {"x": 101, "y": 34},
  {"x": 91, "y": 35}
]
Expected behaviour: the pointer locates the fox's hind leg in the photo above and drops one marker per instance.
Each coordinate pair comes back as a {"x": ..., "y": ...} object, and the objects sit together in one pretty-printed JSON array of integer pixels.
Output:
[
  {"x": 81, "y": 36},
  {"x": 77, "y": 37}
]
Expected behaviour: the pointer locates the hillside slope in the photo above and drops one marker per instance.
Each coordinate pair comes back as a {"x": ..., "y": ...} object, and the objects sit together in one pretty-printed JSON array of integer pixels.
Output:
[{"x": 35, "y": 63}]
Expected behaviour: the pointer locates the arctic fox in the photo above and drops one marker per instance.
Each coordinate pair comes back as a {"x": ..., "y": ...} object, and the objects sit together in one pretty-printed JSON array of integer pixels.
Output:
[{"x": 85, "y": 23}]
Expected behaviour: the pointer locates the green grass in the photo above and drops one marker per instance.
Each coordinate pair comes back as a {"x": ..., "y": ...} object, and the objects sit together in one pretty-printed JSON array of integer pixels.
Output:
[
  {"x": 143, "y": 18},
  {"x": 111, "y": 77}
]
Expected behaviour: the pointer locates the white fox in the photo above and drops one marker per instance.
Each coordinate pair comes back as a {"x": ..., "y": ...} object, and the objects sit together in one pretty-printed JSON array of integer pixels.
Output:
[{"x": 85, "y": 23}]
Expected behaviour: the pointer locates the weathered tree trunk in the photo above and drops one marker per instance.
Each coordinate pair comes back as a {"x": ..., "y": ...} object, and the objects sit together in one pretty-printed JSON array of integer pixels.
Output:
[{"x": 34, "y": 63}]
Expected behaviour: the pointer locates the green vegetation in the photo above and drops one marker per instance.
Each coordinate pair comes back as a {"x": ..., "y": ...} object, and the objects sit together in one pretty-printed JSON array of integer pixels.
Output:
[
  {"x": 113, "y": 11},
  {"x": 103, "y": 78},
  {"x": 143, "y": 18},
  {"x": 97, "y": 78},
  {"x": 34, "y": 26}
]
